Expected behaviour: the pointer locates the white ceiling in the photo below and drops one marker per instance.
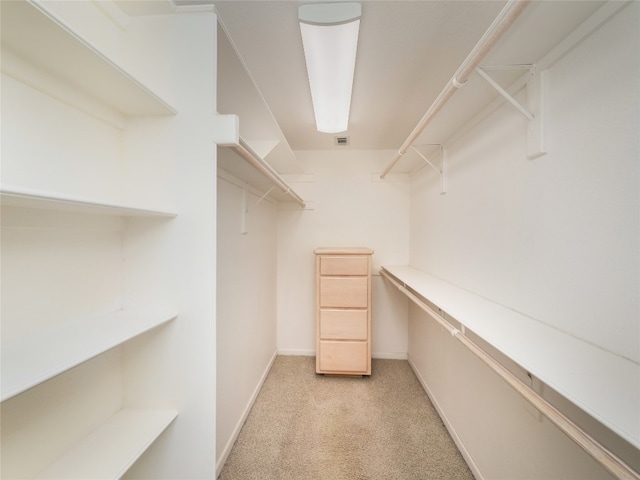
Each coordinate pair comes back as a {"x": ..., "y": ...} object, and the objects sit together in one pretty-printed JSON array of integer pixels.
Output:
[{"x": 407, "y": 52}]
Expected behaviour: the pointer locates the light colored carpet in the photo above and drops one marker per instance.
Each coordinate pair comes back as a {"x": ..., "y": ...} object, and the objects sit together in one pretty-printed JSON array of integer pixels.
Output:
[{"x": 305, "y": 426}]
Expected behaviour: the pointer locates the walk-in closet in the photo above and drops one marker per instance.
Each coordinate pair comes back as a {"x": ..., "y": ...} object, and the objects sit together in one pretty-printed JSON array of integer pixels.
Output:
[{"x": 184, "y": 240}]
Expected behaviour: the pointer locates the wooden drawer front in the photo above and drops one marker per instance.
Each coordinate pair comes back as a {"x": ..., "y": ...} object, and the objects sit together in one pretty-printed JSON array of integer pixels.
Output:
[
  {"x": 343, "y": 324},
  {"x": 344, "y": 292},
  {"x": 344, "y": 265},
  {"x": 349, "y": 357}
]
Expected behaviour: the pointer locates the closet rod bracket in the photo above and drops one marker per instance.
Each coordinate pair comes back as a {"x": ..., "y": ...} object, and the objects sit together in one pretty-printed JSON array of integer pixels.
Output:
[
  {"x": 505, "y": 19},
  {"x": 266, "y": 194},
  {"x": 537, "y": 101},
  {"x": 442, "y": 171},
  {"x": 246, "y": 210},
  {"x": 482, "y": 72},
  {"x": 534, "y": 111}
]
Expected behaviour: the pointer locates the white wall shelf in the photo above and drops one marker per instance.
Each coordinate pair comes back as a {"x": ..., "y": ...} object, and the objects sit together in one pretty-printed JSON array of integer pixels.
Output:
[
  {"x": 239, "y": 95},
  {"x": 603, "y": 384},
  {"x": 30, "y": 198},
  {"x": 40, "y": 38},
  {"x": 109, "y": 451},
  {"x": 100, "y": 126},
  {"x": 32, "y": 360},
  {"x": 255, "y": 137}
]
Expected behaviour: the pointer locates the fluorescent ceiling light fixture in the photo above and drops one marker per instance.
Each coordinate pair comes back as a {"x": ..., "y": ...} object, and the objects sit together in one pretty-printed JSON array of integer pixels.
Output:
[{"x": 330, "y": 40}]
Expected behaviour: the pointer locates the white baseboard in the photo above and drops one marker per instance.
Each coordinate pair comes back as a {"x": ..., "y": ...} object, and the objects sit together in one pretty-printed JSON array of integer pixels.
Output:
[
  {"x": 390, "y": 356},
  {"x": 236, "y": 431},
  {"x": 312, "y": 353},
  {"x": 298, "y": 353},
  {"x": 450, "y": 428}
]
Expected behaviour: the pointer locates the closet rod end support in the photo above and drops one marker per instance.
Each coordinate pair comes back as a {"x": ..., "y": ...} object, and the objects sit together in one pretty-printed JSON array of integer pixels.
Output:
[{"x": 457, "y": 84}]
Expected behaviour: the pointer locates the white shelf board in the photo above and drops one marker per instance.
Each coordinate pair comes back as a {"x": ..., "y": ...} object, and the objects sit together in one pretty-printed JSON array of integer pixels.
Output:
[
  {"x": 232, "y": 163},
  {"x": 34, "y": 359},
  {"x": 603, "y": 384},
  {"x": 109, "y": 451},
  {"x": 13, "y": 196},
  {"x": 35, "y": 34},
  {"x": 238, "y": 94}
]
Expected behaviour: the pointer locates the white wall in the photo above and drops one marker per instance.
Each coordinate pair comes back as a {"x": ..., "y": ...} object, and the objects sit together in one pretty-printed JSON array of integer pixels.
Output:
[
  {"x": 555, "y": 238},
  {"x": 246, "y": 312},
  {"x": 500, "y": 435},
  {"x": 349, "y": 208},
  {"x": 181, "y": 264}
]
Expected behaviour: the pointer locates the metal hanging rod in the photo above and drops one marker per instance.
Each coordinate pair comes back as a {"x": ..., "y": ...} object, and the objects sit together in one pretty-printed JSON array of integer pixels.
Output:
[
  {"x": 246, "y": 152},
  {"x": 598, "y": 452},
  {"x": 500, "y": 25}
]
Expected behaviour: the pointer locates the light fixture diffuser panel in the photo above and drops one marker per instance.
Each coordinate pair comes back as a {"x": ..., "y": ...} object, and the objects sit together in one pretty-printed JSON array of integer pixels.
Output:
[
  {"x": 329, "y": 13},
  {"x": 330, "y": 39}
]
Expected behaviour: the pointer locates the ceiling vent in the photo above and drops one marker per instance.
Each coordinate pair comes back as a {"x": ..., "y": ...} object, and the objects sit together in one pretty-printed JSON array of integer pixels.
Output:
[{"x": 342, "y": 140}]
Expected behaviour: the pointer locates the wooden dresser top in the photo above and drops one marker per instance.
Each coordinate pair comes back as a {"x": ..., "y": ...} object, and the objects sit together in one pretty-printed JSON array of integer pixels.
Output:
[{"x": 343, "y": 251}]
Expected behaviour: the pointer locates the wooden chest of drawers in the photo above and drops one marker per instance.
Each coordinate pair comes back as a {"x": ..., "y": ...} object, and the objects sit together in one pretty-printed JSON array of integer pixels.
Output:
[{"x": 343, "y": 311}]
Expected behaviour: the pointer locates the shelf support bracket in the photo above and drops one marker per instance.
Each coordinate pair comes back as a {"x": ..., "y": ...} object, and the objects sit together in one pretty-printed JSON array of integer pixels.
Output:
[
  {"x": 245, "y": 212},
  {"x": 246, "y": 209},
  {"x": 481, "y": 71},
  {"x": 442, "y": 171},
  {"x": 536, "y": 98},
  {"x": 265, "y": 195}
]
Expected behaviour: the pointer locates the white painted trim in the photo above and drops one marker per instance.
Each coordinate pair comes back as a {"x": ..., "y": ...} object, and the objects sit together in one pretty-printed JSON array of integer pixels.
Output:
[
  {"x": 390, "y": 355},
  {"x": 236, "y": 431},
  {"x": 312, "y": 353},
  {"x": 298, "y": 353},
  {"x": 450, "y": 428}
]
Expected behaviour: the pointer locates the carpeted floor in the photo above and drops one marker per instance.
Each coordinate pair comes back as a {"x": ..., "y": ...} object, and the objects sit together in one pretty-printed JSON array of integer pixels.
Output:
[{"x": 305, "y": 426}]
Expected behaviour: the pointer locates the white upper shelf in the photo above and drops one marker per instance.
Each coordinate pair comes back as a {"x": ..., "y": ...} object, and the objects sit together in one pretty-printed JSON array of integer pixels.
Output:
[
  {"x": 39, "y": 37},
  {"x": 603, "y": 384},
  {"x": 239, "y": 95},
  {"x": 32, "y": 360},
  {"x": 12, "y": 196}
]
